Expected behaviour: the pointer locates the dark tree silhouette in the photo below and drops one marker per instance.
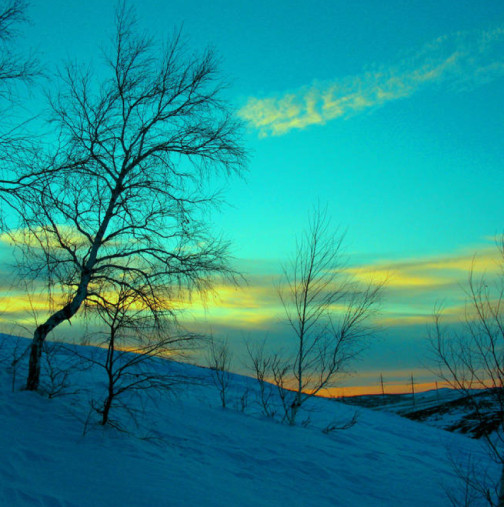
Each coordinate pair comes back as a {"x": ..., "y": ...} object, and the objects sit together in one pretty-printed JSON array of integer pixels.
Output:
[
  {"x": 327, "y": 312},
  {"x": 129, "y": 187},
  {"x": 471, "y": 359},
  {"x": 15, "y": 69},
  {"x": 219, "y": 359},
  {"x": 135, "y": 337}
]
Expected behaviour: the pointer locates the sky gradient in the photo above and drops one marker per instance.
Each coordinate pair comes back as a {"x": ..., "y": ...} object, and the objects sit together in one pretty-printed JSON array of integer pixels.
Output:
[{"x": 390, "y": 113}]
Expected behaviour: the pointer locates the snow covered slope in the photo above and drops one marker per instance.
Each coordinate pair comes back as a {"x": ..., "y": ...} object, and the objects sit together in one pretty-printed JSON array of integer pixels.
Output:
[{"x": 187, "y": 451}]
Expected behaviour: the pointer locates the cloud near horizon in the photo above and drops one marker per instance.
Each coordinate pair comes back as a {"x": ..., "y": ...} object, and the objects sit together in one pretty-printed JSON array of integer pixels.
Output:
[
  {"x": 430, "y": 272},
  {"x": 412, "y": 289},
  {"x": 464, "y": 59}
]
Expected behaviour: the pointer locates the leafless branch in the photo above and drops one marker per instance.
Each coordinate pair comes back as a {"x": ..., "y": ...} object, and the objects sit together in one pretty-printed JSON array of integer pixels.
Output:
[
  {"x": 219, "y": 361},
  {"x": 470, "y": 357},
  {"x": 129, "y": 188},
  {"x": 328, "y": 312}
]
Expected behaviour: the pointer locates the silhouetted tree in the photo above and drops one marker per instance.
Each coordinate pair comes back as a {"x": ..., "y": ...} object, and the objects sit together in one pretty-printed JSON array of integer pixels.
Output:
[
  {"x": 219, "y": 361},
  {"x": 15, "y": 69},
  {"x": 327, "y": 312},
  {"x": 59, "y": 365},
  {"x": 382, "y": 386},
  {"x": 262, "y": 365},
  {"x": 471, "y": 358},
  {"x": 135, "y": 336},
  {"x": 128, "y": 188}
]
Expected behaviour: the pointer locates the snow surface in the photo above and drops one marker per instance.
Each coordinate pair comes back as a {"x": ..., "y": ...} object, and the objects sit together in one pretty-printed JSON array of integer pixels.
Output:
[{"x": 188, "y": 451}]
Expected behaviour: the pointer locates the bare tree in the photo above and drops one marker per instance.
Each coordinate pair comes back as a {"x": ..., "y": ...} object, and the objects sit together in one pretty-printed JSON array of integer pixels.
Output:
[
  {"x": 281, "y": 369},
  {"x": 327, "y": 312},
  {"x": 470, "y": 359},
  {"x": 130, "y": 186},
  {"x": 219, "y": 361},
  {"x": 15, "y": 69},
  {"x": 262, "y": 365},
  {"x": 135, "y": 338},
  {"x": 60, "y": 364},
  {"x": 17, "y": 353}
]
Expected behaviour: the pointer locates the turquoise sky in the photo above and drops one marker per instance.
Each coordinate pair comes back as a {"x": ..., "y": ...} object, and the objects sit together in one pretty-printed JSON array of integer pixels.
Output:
[
  {"x": 418, "y": 172},
  {"x": 391, "y": 113}
]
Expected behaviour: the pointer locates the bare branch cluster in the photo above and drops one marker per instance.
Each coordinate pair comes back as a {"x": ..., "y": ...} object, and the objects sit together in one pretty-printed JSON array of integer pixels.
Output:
[
  {"x": 16, "y": 146},
  {"x": 328, "y": 313},
  {"x": 219, "y": 359},
  {"x": 126, "y": 194},
  {"x": 60, "y": 365},
  {"x": 14, "y": 67},
  {"x": 470, "y": 357},
  {"x": 262, "y": 366},
  {"x": 135, "y": 338}
]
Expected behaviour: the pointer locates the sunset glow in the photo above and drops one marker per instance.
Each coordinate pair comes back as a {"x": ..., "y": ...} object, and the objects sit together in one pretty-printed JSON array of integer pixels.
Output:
[{"x": 391, "y": 116}]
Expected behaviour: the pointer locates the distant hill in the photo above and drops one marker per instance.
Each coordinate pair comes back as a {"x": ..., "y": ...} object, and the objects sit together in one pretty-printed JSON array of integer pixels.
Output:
[{"x": 444, "y": 408}]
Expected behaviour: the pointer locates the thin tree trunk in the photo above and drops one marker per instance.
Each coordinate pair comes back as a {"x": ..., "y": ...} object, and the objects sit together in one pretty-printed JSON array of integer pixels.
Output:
[
  {"x": 66, "y": 313},
  {"x": 34, "y": 364},
  {"x": 38, "y": 341},
  {"x": 70, "y": 309},
  {"x": 106, "y": 408},
  {"x": 109, "y": 366}
]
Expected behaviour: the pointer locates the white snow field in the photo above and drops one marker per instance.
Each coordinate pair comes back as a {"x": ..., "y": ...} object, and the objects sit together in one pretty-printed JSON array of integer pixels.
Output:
[{"x": 188, "y": 451}]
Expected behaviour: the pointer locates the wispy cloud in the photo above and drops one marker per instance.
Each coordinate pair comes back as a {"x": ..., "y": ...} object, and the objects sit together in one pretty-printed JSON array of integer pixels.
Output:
[
  {"x": 254, "y": 305},
  {"x": 412, "y": 289},
  {"x": 463, "y": 59},
  {"x": 414, "y": 286},
  {"x": 430, "y": 272}
]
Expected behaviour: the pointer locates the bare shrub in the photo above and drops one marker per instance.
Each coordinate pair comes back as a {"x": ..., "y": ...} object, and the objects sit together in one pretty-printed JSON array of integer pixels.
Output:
[
  {"x": 60, "y": 364},
  {"x": 219, "y": 361},
  {"x": 261, "y": 365},
  {"x": 470, "y": 357}
]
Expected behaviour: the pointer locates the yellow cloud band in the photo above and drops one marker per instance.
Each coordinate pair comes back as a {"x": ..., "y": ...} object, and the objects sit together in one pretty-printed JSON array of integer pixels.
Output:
[{"x": 464, "y": 58}]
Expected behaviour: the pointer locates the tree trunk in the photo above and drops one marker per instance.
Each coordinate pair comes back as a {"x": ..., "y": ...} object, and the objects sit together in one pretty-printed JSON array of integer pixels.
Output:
[
  {"x": 37, "y": 343},
  {"x": 66, "y": 313},
  {"x": 70, "y": 309},
  {"x": 109, "y": 366},
  {"x": 106, "y": 408},
  {"x": 34, "y": 365}
]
